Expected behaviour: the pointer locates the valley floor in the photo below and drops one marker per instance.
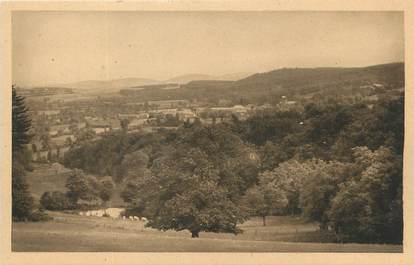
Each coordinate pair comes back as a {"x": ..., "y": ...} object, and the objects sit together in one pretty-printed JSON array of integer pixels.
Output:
[{"x": 71, "y": 233}]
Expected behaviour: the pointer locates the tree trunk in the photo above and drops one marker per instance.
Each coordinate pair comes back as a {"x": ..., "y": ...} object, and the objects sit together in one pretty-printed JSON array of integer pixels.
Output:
[
  {"x": 264, "y": 220},
  {"x": 194, "y": 234}
]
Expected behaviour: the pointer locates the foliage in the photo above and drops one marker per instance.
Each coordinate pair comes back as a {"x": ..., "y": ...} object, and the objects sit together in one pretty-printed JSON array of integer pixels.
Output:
[
  {"x": 204, "y": 208},
  {"x": 238, "y": 163},
  {"x": 319, "y": 188},
  {"x": 39, "y": 216},
  {"x": 22, "y": 201},
  {"x": 106, "y": 189},
  {"x": 368, "y": 207},
  {"x": 80, "y": 187},
  {"x": 105, "y": 157},
  {"x": 85, "y": 136},
  {"x": 306, "y": 161},
  {"x": 23, "y": 158},
  {"x": 287, "y": 179},
  {"x": 196, "y": 183},
  {"x": 272, "y": 155},
  {"x": 21, "y": 122},
  {"x": 124, "y": 124},
  {"x": 267, "y": 126},
  {"x": 265, "y": 199},
  {"x": 383, "y": 125},
  {"x": 135, "y": 163},
  {"x": 55, "y": 201}
]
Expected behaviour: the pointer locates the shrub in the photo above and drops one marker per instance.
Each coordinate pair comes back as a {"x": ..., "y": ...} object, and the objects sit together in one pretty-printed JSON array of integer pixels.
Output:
[
  {"x": 39, "y": 216},
  {"x": 54, "y": 201}
]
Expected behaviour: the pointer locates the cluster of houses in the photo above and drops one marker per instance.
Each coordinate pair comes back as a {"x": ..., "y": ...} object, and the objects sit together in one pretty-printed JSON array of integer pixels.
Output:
[
  {"x": 63, "y": 130},
  {"x": 59, "y": 133},
  {"x": 148, "y": 118},
  {"x": 225, "y": 113},
  {"x": 181, "y": 114},
  {"x": 286, "y": 105}
]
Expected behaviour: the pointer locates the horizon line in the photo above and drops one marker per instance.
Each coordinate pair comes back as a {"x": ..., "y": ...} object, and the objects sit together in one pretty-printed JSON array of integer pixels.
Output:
[{"x": 211, "y": 75}]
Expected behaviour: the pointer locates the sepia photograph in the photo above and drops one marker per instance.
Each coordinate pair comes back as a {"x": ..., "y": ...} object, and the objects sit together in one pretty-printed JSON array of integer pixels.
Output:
[{"x": 207, "y": 131}]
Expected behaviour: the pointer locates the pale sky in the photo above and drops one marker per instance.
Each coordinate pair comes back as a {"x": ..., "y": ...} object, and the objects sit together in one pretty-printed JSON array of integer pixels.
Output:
[{"x": 63, "y": 47}]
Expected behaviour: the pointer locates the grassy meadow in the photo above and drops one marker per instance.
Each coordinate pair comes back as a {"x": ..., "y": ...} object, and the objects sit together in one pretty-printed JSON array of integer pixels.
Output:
[
  {"x": 70, "y": 232},
  {"x": 46, "y": 177}
]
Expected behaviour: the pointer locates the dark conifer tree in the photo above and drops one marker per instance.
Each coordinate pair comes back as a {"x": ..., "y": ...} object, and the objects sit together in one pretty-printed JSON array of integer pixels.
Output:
[
  {"x": 22, "y": 201},
  {"x": 20, "y": 122}
]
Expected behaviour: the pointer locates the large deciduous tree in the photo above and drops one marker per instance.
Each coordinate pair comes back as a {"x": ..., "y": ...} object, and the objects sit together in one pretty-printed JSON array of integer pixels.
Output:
[
  {"x": 191, "y": 197},
  {"x": 265, "y": 199},
  {"x": 287, "y": 180}
]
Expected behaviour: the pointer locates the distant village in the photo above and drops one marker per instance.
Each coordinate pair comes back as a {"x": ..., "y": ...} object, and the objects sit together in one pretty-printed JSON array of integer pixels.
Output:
[{"x": 61, "y": 123}]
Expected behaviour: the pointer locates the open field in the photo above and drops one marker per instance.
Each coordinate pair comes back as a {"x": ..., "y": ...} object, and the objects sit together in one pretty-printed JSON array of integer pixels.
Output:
[
  {"x": 80, "y": 233},
  {"x": 45, "y": 177}
]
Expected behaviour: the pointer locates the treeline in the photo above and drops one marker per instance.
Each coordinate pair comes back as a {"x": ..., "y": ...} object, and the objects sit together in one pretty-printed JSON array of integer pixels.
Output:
[{"x": 337, "y": 164}]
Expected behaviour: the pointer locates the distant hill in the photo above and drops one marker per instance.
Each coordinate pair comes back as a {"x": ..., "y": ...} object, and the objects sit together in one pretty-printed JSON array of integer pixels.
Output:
[
  {"x": 158, "y": 86},
  {"x": 305, "y": 77},
  {"x": 43, "y": 91},
  {"x": 261, "y": 86},
  {"x": 184, "y": 79},
  {"x": 116, "y": 84},
  {"x": 111, "y": 84},
  {"x": 280, "y": 82},
  {"x": 234, "y": 76}
]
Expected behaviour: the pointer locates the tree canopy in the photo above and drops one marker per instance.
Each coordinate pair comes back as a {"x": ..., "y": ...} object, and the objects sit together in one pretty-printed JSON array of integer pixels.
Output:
[{"x": 316, "y": 161}]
